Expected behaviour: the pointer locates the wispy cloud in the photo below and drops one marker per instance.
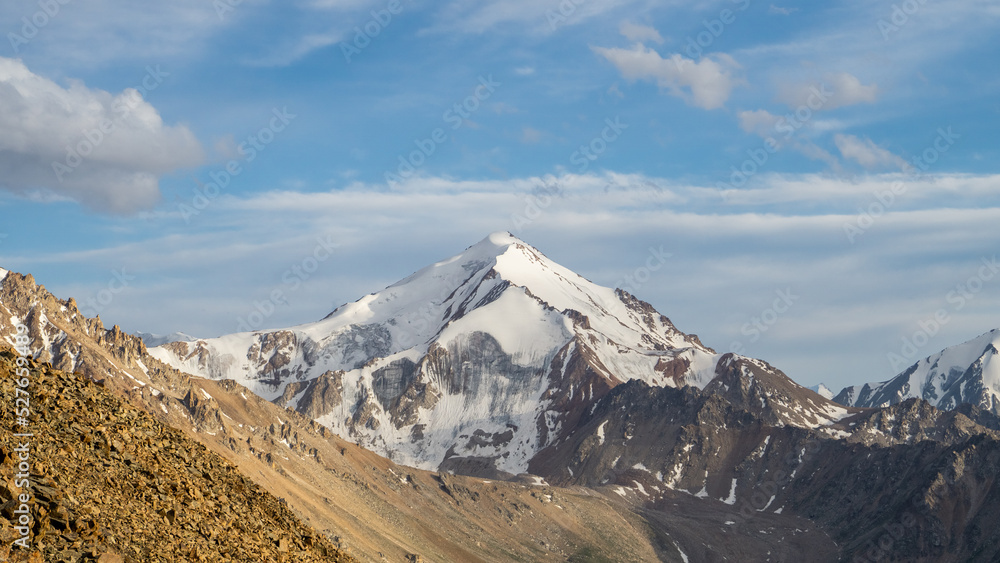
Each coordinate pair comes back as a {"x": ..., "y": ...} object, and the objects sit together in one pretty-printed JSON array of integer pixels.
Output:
[
  {"x": 706, "y": 83},
  {"x": 100, "y": 32},
  {"x": 717, "y": 273},
  {"x": 833, "y": 91},
  {"x": 639, "y": 33},
  {"x": 300, "y": 47},
  {"x": 866, "y": 153}
]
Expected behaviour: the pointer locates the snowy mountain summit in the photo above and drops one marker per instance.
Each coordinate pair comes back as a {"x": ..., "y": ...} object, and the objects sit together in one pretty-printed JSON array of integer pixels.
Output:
[
  {"x": 965, "y": 373},
  {"x": 475, "y": 363}
]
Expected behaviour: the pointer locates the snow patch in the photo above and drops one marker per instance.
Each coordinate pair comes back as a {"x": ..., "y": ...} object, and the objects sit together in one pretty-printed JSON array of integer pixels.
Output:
[
  {"x": 684, "y": 556},
  {"x": 732, "y": 493}
]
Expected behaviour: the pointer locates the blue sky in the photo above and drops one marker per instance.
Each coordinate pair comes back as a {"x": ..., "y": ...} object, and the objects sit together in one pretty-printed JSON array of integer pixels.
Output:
[{"x": 823, "y": 176}]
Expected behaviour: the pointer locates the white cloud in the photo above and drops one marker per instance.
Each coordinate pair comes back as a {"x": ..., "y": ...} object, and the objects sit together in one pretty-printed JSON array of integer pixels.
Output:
[
  {"x": 774, "y": 129},
  {"x": 639, "y": 33},
  {"x": 834, "y": 90},
  {"x": 727, "y": 260},
  {"x": 524, "y": 70},
  {"x": 866, "y": 153},
  {"x": 706, "y": 83},
  {"x": 760, "y": 122},
  {"x": 105, "y": 151}
]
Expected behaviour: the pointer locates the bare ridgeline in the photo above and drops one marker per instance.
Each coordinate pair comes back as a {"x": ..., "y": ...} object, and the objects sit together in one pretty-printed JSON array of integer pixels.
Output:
[{"x": 509, "y": 410}]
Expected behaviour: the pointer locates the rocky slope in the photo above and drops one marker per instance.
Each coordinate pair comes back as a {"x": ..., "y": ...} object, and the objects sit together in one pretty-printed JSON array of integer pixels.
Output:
[
  {"x": 726, "y": 459},
  {"x": 966, "y": 373},
  {"x": 368, "y": 505},
  {"x": 110, "y": 483},
  {"x": 473, "y": 364},
  {"x": 904, "y": 483}
]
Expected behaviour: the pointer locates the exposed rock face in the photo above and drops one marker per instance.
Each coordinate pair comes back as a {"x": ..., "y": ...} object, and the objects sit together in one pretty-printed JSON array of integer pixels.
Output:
[
  {"x": 966, "y": 373},
  {"x": 362, "y": 501},
  {"x": 204, "y": 411},
  {"x": 684, "y": 454},
  {"x": 765, "y": 391},
  {"x": 497, "y": 339},
  {"x": 110, "y": 483},
  {"x": 917, "y": 479}
]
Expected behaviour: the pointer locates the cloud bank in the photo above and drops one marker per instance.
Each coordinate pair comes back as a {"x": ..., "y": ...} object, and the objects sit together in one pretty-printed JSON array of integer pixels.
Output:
[{"x": 106, "y": 151}]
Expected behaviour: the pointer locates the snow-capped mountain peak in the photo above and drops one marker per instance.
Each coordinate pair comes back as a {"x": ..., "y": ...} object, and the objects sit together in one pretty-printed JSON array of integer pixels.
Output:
[
  {"x": 484, "y": 358},
  {"x": 965, "y": 373},
  {"x": 150, "y": 339},
  {"x": 822, "y": 390}
]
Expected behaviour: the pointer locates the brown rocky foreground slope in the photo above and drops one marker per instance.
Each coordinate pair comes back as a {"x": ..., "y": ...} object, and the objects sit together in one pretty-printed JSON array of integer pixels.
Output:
[{"x": 110, "y": 483}]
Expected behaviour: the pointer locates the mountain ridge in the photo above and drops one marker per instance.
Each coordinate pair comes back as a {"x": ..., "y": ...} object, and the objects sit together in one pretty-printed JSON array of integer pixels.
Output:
[
  {"x": 748, "y": 466},
  {"x": 483, "y": 358},
  {"x": 964, "y": 373}
]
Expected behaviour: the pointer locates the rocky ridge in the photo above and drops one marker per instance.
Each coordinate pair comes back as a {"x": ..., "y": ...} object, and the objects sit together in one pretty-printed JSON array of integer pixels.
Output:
[
  {"x": 478, "y": 362},
  {"x": 903, "y": 483},
  {"x": 367, "y": 505},
  {"x": 967, "y": 373},
  {"x": 370, "y": 506},
  {"x": 745, "y": 465}
]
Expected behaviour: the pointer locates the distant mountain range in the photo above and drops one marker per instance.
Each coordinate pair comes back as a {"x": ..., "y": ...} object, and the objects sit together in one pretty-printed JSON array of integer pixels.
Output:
[
  {"x": 150, "y": 339},
  {"x": 558, "y": 421},
  {"x": 966, "y": 373},
  {"x": 822, "y": 390}
]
